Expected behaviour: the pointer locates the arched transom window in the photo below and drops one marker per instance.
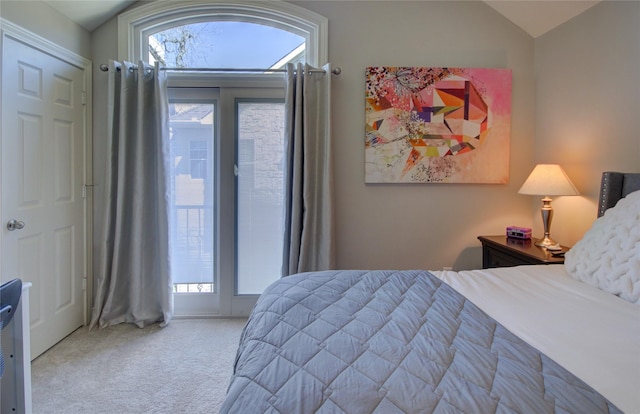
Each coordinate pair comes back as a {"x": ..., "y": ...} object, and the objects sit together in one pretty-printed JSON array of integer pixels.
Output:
[
  {"x": 221, "y": 44},
  {"x": 242, "y": 34}
]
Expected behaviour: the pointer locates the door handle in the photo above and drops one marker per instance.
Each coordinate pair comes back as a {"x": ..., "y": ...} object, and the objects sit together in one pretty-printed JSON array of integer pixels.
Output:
[{"x": 14, "y": 224}]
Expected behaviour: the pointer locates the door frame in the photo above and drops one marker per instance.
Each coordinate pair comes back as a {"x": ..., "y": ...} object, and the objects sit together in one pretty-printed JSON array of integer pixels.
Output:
[{"x": 19, "y": 34}]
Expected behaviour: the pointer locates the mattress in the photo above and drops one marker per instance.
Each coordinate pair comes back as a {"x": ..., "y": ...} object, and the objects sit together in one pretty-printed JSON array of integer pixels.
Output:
[
  {"x": 391, "y": 341},
  {"x": 591, "y": 333}
]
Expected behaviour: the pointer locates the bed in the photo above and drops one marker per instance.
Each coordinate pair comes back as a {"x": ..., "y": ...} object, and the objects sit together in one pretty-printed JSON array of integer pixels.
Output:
[{"x": 554, "y": 338}]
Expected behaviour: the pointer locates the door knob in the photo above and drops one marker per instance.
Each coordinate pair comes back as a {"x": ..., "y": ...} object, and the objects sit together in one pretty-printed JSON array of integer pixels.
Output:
[{"x": 14, "y": 224}]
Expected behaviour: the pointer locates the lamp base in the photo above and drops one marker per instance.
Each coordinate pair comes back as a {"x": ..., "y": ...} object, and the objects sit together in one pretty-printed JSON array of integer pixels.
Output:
[{"x": 545, "y": 242}]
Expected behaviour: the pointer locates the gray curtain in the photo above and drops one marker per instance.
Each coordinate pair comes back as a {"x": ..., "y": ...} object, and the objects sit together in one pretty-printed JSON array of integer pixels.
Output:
[
  {"x": 309, "y": 220},
  {"x": 134, "y": 274}
]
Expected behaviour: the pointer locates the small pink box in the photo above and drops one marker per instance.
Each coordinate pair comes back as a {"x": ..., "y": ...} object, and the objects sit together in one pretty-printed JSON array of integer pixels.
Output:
[{"x": 523, "y": 233}]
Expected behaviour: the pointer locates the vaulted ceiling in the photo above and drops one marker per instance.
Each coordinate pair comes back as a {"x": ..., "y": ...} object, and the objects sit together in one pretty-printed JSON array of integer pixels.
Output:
[{"x": 536, "y": 17}]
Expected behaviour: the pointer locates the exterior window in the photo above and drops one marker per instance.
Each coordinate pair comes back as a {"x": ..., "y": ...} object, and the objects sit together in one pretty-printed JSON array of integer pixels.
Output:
[
  {"x": 198, "y": 32},
  {"x": 216, "y": 45},
  {"x": 198, "y": 152}
]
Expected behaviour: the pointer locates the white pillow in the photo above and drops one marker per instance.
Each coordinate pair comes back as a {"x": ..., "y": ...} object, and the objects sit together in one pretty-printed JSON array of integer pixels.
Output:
[{"x": 608, "y": 256}]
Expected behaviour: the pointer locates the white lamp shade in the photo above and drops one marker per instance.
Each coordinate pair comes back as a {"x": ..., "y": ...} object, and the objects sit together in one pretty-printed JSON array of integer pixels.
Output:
[{"x": 548, "y": 180}]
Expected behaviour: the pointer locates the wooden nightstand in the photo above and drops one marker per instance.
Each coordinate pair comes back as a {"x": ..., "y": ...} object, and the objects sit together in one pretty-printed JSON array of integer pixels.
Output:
[{"x": 503, "y": 251}]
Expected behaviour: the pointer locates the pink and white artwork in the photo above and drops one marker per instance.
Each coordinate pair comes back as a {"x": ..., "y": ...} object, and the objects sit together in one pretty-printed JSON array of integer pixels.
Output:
[{"x": 437, "y": 125}]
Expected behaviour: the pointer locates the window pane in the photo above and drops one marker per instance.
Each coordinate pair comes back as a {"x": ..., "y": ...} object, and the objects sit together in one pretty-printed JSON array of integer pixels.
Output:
[
  {"x": 199, "y": 157},
  {"x": 225, "y": 45},
  {"x": 260, "y": 195},
  {"x": 192, "y": 153}
]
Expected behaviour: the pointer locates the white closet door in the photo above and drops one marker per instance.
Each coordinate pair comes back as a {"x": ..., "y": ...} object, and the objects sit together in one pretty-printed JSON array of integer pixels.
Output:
[{"x": 43, "y": 147}]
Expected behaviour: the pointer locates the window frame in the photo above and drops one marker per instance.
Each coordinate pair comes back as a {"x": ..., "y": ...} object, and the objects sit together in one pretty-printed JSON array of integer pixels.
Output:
[
  {"x": 135, "y": 25},
  {"x": 134, "y": 28}
]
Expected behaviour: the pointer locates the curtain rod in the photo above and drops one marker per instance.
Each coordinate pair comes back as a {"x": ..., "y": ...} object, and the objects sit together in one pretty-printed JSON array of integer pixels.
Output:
[{"x": 335, "y": 71}]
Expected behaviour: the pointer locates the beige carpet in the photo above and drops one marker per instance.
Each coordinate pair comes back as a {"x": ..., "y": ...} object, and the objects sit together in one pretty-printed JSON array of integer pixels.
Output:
[{"x": 183, "y": 368}]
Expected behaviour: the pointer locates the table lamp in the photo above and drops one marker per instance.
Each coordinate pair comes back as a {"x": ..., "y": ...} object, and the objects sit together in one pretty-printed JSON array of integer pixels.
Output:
[{"x": 547, "y": 180}]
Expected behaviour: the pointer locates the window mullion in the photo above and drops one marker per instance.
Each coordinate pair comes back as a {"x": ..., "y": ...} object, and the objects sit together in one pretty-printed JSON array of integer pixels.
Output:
[{"x": 226, "y": 192}]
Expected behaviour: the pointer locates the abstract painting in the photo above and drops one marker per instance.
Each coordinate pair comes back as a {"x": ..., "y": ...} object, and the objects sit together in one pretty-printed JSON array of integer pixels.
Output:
[{"x": 437, "y": 125}]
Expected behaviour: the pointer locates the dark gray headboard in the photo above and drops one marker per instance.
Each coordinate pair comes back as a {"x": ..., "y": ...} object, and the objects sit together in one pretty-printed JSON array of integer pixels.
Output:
[{"x": 614, "y": 186}]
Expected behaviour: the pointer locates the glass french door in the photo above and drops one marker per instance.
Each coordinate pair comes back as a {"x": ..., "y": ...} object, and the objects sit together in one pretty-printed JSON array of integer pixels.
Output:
[
  {"x": 228, "y": 152},
  {"x": 259, "y": 193}
]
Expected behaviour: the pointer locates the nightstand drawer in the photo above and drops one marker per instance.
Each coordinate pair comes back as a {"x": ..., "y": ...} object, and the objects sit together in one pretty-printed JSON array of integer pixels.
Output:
[
  {"x": 497, "y": 258},
  {"x": 500, "y": 251}
]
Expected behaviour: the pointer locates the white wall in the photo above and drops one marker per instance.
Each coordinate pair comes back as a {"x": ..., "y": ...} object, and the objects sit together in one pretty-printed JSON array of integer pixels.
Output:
[
  {"x": 591, "y": 58},
  {"x": 404, "y": 226},
  {"x": 575, "y": 102},
  {"x": 422, "y": 225},
  {"x": 587, "y": 106},
  {"x": 47, "y": 22},
  {"x": 408, "y": 226},
  {"x": 104, "y": 42}
]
